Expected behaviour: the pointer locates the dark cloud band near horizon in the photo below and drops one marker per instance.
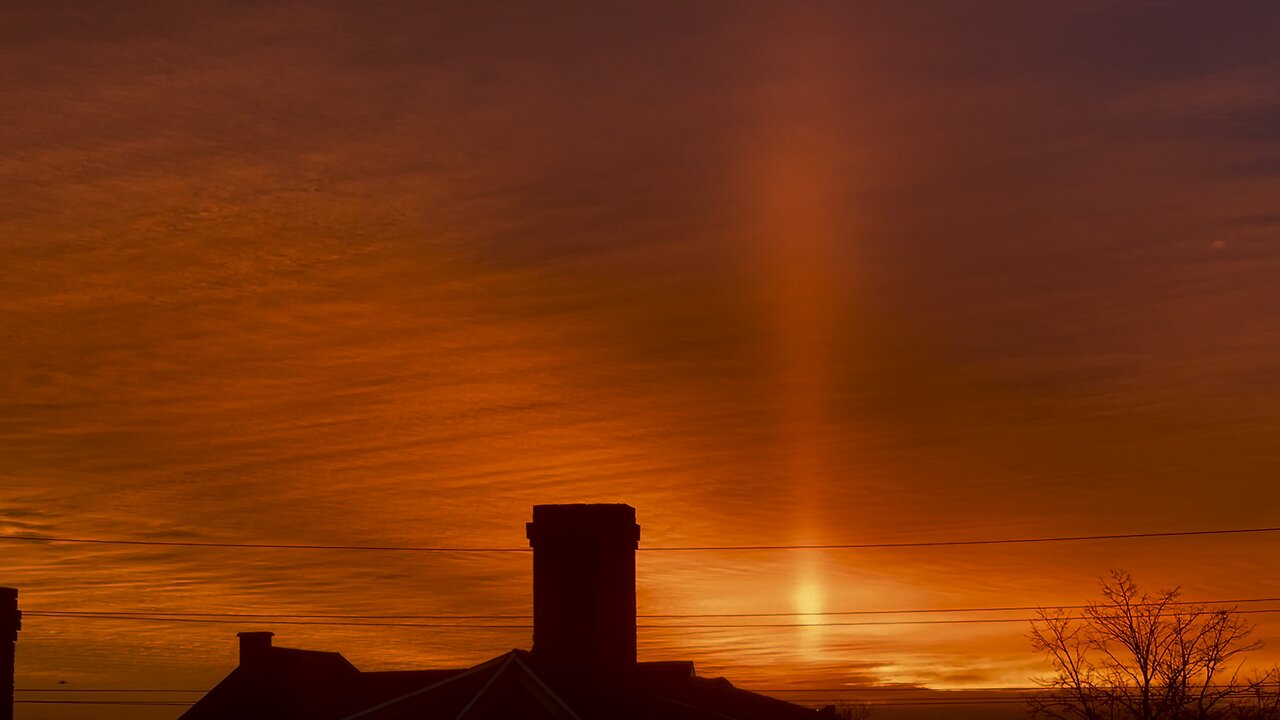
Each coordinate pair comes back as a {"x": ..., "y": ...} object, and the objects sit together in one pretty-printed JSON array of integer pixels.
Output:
[{"x": 774, "y": 274}]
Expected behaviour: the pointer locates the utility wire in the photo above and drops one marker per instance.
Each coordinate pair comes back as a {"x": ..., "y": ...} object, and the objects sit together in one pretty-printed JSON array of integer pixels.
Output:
[
  {"x": 105, "y": 690},
  {"x": 885, "y": 703},
  {"x": 916, "y": 611},
  {"x": 528, "y": 626},
  {"x": 1022, "y": 688},
  {"x": 167, "y": 703},
  {"x": 175, "y": 703},
  {"x": 171, "y": 703},
  {"x": 949, "y": 700},
  {"x": 954, "y": 543},
  {"x": 685, "y": 548},
  {"x": 671, "y": 616},
  {"x": 263, "y": 546},
  {"x": 912, "y": 692},
  {"x": 917, "y": 702}
]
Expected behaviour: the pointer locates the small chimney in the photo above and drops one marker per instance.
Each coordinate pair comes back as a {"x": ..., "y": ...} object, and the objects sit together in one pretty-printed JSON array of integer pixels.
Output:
[
  {"x": 255, "y": 647},
  {"x": 584, "y": 589},
  {"x": 10, "y": 624}
]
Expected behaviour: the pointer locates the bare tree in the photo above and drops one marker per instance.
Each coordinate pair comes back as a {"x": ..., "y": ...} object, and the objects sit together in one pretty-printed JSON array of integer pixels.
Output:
[
  {"x": 1136, "y": 656},
  {"x": 1260, "y": 699}
]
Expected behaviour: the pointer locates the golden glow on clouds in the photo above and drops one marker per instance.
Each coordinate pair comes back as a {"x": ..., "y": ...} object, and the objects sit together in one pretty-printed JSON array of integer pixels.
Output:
[{"x": 362, "y": 276}]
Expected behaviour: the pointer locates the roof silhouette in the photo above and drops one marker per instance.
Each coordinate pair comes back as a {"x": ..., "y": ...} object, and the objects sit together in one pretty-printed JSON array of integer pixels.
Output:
[
  {"x": 313, "y": 685},
  {"x": 514, "y": 685},
  {"x": 582, "y": 666},
  {"x": 291, "y": 684}
]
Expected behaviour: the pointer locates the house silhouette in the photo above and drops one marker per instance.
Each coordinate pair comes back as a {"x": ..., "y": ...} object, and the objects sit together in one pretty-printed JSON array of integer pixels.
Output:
[{"x": 582, "y": 667}]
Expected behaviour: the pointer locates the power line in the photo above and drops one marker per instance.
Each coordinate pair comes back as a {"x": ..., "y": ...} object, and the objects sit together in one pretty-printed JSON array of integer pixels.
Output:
[
  {"x": 902, "y": 702},
  {"x": 529, "y": 626},
  {"x": 1023, "y": 689},
  {"x": 915, "y": 611},
  {"x": 905, "y": 702},
  {"x": 954, "y": 543},
  {"x": 664, "y": 616},
  {"x": 866, "y": 623},
  {"x": 170, "y": 703},
  {"x": 222, "y": 621},
  {"x": 104, "y": 690},
  {"x": 940, "y": 610},
  {"x": 885, "y": 703},
  {"x": 260, "y": 545},
  {"x": 874, "y": 703},
  {"x": 684, "y": 548},
  {"x": 900, "y": 690},
  {"x": 881, "y": 703}
]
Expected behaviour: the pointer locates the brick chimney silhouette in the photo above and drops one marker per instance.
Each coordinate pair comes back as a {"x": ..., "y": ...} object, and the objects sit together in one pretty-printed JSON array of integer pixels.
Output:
[
  {"x": 584, "y": 589},
  {"x": 255, "y": 648},
  {"x": 10, "y": 624}
]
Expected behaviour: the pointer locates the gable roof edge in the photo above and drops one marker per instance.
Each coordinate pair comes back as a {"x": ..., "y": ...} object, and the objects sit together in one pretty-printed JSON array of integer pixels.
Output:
[
  {"x": 501, "y": 658},
  {"x": 550, "y": 693},
  {"x": 488, "y": 683}
]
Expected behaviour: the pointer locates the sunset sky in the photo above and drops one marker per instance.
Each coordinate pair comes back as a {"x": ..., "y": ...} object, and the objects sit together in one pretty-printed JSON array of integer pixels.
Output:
[{"x": 777, "y": 273}]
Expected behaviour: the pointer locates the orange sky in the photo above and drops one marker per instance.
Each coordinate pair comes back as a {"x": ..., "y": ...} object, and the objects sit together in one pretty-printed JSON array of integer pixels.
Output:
[{"x": 313, "y": 273}]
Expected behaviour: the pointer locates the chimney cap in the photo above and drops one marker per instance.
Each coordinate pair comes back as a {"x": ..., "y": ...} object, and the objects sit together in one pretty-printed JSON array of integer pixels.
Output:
[
  {"x": 581, "y": 509},
  {"x": 255, "y": 648},
  {"x": 575, "y": 521}
]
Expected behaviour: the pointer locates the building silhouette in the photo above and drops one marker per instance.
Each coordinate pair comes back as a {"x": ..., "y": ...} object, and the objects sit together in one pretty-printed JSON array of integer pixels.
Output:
[
  {"x": 10, "y": 624},
  {"x": 582, "y": 666}
]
